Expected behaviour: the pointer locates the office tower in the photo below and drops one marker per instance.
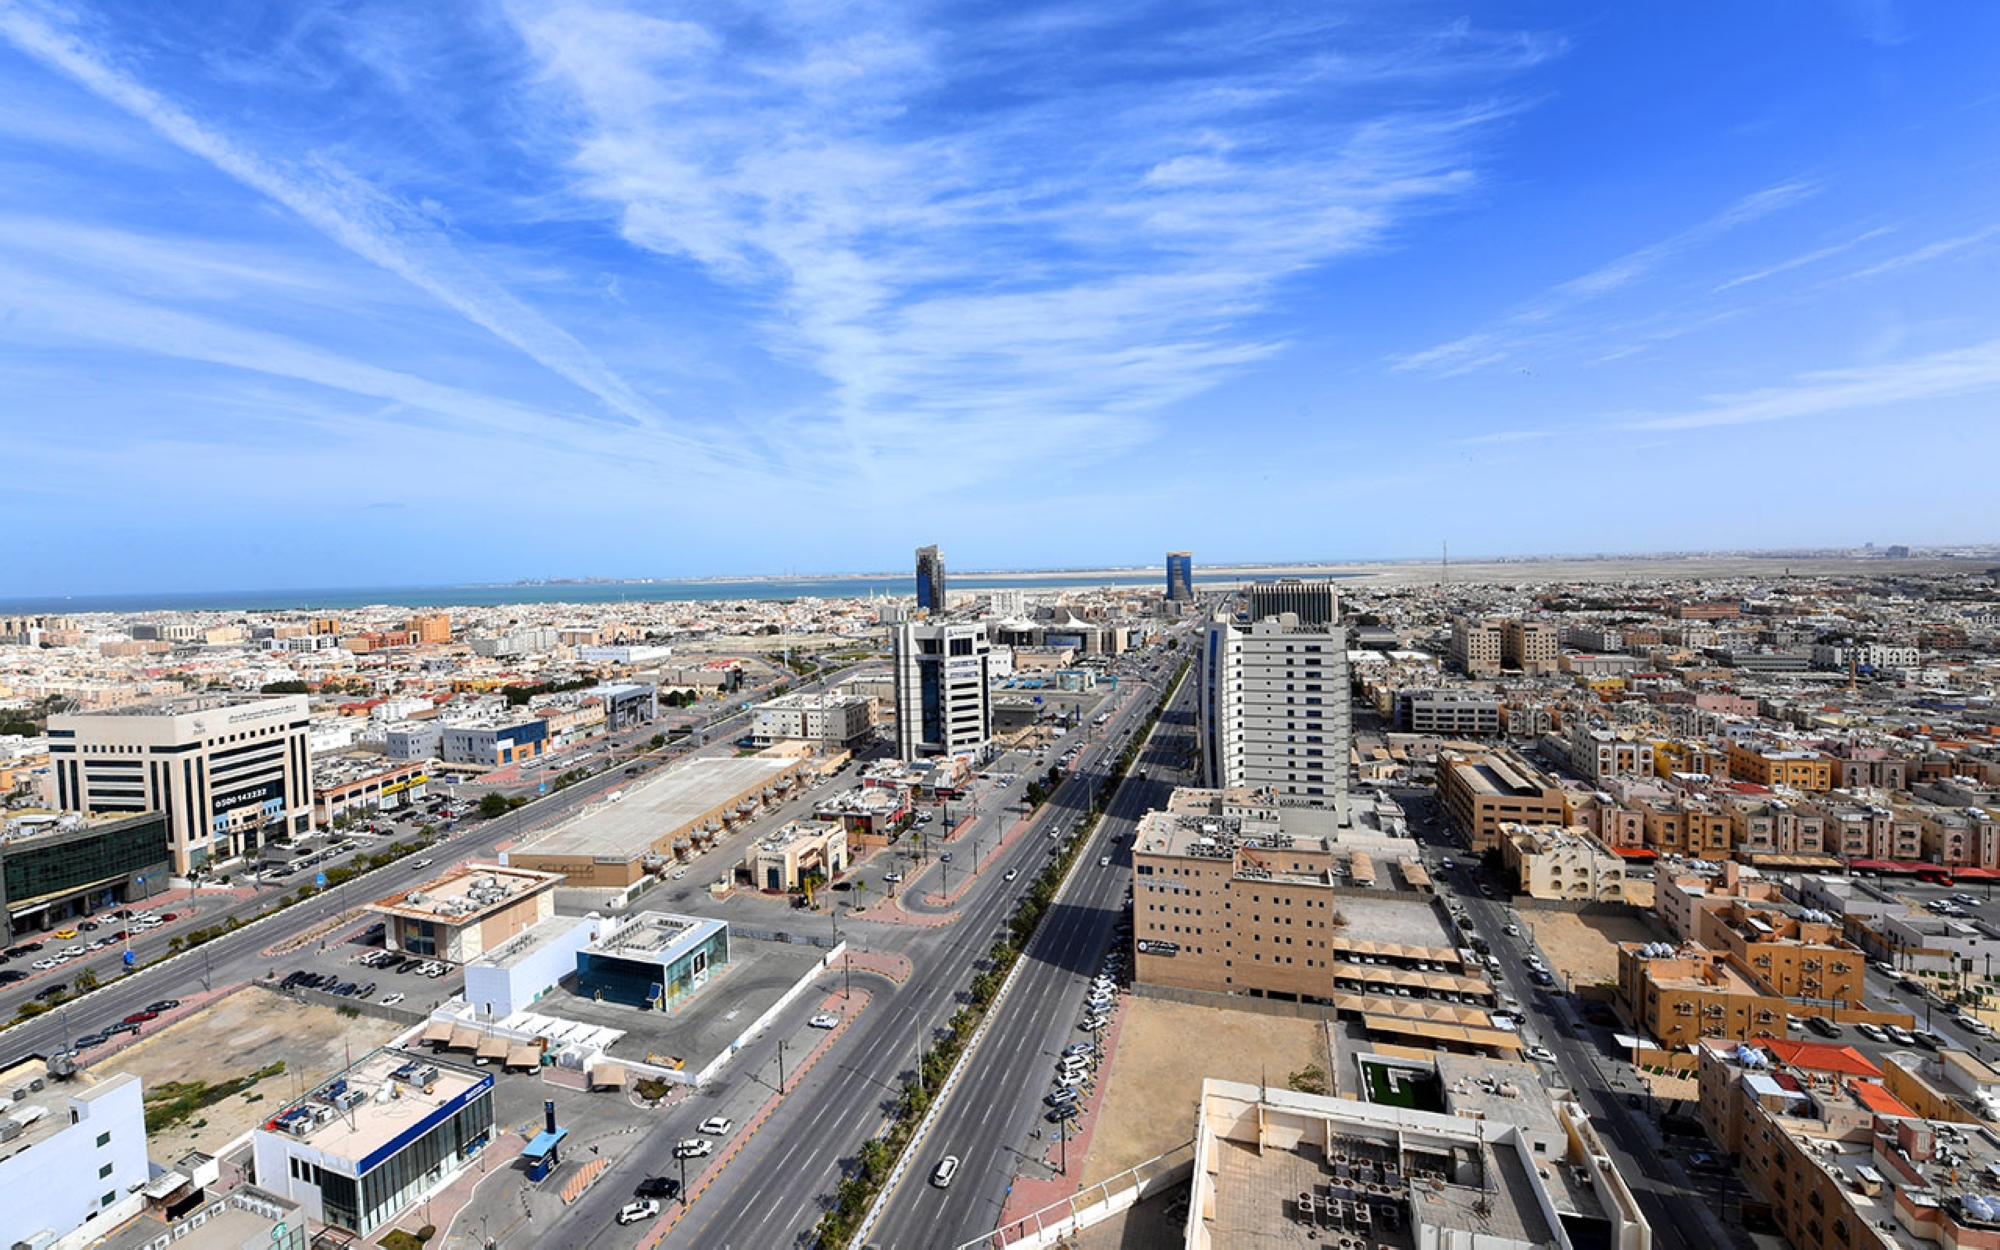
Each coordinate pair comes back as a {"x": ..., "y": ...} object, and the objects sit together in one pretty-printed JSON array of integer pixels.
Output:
[
  {"x": 230, "y": 773},
  {"x": 1312, "y": 602},
  {"x": 942, "y": 706},
  {"x": 1180, "y": 576},
  {"x": 930, "y": 579},
  {"x": 1274, "y": 710},
  {"x": 1529, "y": 646}
]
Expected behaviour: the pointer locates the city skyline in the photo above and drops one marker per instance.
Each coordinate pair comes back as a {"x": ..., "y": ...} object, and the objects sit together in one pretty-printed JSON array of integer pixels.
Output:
[{"x": 374, "y": 298}]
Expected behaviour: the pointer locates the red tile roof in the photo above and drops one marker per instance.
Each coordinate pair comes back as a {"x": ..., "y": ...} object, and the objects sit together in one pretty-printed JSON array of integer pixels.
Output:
[
  {"x": 1821, "y": 1057},
  {"x": 1877, "y": 1099}
]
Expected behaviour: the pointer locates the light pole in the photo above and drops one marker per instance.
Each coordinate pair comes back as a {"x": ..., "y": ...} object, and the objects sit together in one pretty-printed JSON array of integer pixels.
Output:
[{"x": 781, "y": 1067}]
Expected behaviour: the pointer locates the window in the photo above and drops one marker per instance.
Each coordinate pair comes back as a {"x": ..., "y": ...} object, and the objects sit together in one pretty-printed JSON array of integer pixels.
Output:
[
  {"x": 104, "y": 1171},
  {"x": 103, "y": 1140}
]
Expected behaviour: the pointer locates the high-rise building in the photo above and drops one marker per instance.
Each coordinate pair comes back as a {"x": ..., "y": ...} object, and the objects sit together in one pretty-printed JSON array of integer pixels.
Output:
[
  {"x": 942, "y": 707},
  {"x": 930, "y": 579},
  {"x": 1529, "y": 646},
  {"x": 1313, "y": 603},
  {"x": 229, "y": 773},
  {"x": 1274, "y": 710},
  {"x": 1180, "y": 576}
]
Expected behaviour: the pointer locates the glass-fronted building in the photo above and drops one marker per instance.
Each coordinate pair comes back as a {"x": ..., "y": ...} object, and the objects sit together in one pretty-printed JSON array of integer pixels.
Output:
[
  {"x": 360, "y": 1149},
  {"x": 1180, "y": 576},
  {"x": 653, "y": 960},
  {"x": 77, "y": 866}
]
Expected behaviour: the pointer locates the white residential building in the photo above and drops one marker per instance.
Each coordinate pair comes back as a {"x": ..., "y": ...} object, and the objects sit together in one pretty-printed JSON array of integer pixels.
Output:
[
  {"x": 837, "y": 720},
  {"x": 1274, "y": 710},
  {"x": 72, "y": 1153}
]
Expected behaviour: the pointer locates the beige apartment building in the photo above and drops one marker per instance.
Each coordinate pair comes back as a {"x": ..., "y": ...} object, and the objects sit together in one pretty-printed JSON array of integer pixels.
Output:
[
  {"x": 1569, "y": 864},
  {"x": 1529, "y": 646},
  {"x": 1475, "y": 647}
]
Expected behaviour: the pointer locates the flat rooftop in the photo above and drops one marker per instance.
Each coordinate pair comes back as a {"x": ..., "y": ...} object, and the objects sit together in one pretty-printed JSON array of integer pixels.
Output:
[
  {"x": 1500, "y": 778},
  {"x": 466, "y": 893},
  {"x": 656, "y": 936},
  {"x": 43, "y": 1112},
  {"x": 656, "y": 809},
  {"x": 372, "y": 1103},
  {"x": 525, "y": 943}
]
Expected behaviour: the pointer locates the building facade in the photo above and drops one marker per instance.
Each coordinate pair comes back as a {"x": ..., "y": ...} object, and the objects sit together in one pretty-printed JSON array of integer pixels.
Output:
[
  {"x": 942, "y": 700},
  {"x": 1274, "y": 710},
  {"x": 1180, "y": 576},
  {"x": 835, "y": 720},
  {"x": 1475, "y": 647},
  {"x": 1529, "y": 647},
  {"x": 230, "y": 774},
  {"x": 79, "y": 866},
  {"x": 1313, "y": 603},
  {"x": 1564, "y": 864},
  {"x": 466, "y": 912},
  {"x": 1447, "y": 713},
  {"x": 930, "y": 580},
  {"x": 1483, "y": 792},
  {"x": 71, "y": 1152}
]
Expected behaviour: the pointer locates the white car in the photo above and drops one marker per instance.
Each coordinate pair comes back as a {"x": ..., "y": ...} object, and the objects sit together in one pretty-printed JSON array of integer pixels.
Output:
[
  {"x": 1540, "y": 1054},
  {"x": 892, "y": 877},
  {"x": 946, "y": 1169},
  {"x": 1011, "y": 874},
  {"x": 633, "y": 1212},
  {"x": 694, "y": 1148},
  {"x": 717, "y": 1126},
  {"x": 392, "y": 1000},
  {"x": 1872, "y": 1031},
  {"x": 1104, "y": 861},
  {"x": 825, "y": 1020},
  {"x": 1508, "y": 1023}
]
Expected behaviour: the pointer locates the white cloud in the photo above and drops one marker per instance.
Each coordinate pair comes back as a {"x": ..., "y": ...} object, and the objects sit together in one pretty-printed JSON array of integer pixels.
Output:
[
  {"x": 353, "y": 214},
  {"x": 1939, "y": 375},
  {"x": 1808, "y": 258}
]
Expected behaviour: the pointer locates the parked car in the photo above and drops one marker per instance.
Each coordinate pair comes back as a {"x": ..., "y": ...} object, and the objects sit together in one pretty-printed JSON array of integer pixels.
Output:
[
  {"x": 1707, "y": 1161},
  {"x": 165, "y": 1004},
  {"x": 1873, "y": 1031},
  {"x": 1822, "y": 1026},
  {"x": 633, "y": 1212}
]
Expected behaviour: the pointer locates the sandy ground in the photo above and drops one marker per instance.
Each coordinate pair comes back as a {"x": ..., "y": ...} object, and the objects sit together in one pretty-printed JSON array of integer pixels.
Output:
[
  {"x": 1639, "y": 892},
  {"x": 248, "y": 1030},
  {"x": 1585, "y": 948},
  {"x": 1668, "y": 1088},
  {"x": 1149, "y": 1102}
]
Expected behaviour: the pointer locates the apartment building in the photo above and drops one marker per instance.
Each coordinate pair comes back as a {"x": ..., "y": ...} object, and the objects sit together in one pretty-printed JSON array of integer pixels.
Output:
[
  {"x": 841, "y": 721},
  {"x": 1231, "y": 895},
  {"x": 1568, "y": 864},
  {"x": 228, "y": 772},
  {"x": 1760, "y": 826},
  {"x": 1446, "y": 713},
  {"x": 1483, "y": 792},
  {"x": 1274, "y": 711},
  {"x": 1681, "y": 897},
  {"x": 1683, "y": 995},
  {"x": 1529, "y": 647},
  {"x": 1475, "y": 647},
  {"x": 1855, "y": 828},
  {"x": 943, "y": 705},
  {"x": 1768, "y": 765},
  {"x": 1598, "y": 754},
  {"x": 1313, "y": 603},
  {"x": 72, "y": 1152},
  {"x": 1867, "y": 768}
]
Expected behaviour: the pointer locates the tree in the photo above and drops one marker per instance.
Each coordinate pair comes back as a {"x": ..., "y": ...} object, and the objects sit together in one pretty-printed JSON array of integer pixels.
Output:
[
  {"x": 284, "y": 687},
  {"x": 494, "y": 803}
]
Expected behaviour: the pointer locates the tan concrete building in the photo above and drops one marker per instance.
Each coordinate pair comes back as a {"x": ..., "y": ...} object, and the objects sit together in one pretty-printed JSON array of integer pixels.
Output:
[
  {"x": 660, "y": 820},
  {"x": 795, "y": 853},
  {"x": 1568, "y": 864},
  {"x": 1684, "y": 995},
  {"x": 467, "y": 911},
  {"x": 1774, "y": 766},
  {"x": 1475, "y": 647},
  {"x": 1529, "y": 646},
  {"x": 1484, "y": 791}
]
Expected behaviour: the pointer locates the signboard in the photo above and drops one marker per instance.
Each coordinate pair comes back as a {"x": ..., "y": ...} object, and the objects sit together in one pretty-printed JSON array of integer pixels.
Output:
[
  {"x": 319, "y": 881},
  {"x": 130, "y": 959}
]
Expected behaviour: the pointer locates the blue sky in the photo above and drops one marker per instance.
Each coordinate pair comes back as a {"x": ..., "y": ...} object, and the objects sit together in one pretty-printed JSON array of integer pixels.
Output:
[{"x": 390, "y": 293}]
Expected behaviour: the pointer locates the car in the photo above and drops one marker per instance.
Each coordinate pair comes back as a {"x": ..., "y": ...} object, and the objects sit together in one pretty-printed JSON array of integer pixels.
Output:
[
  {"x": 141, "y": 1017},
  {"x": 1077, "y": 1048},
  {"x": 825, "y": 1020},
  {"x": 1540, "y": 1054},
  {"x": 122, "y": 1027},
  {"x": 716, "y": 1126},
  {"x": 946, "y": 1168},
  {"x": 168, "y": 917},
  {"x": 165, "y": 1004},
  {"x": 89, "y": 1040},
  {"x": 1541, "y": 977},
  {"x": 694, "y": 1148},
  {"x": 64, "y": 935},
  {"x": 658, "y": 1187},
  {"x": 1068, "y": 1111},
  {"x": 419, "y": 865},
  {"x": 633, "y": 1212},
  {"x": 1873, "y": 1031},
  {"x": 680, "y": 874},
  {"x": 392, "y": 1000},
  {"x": 1910, "y": 985},
  {"x": 1707, "y": 1161},
  {"x": 892, "y": 877},
  {"x": 89, "y": 926},
  {"x": 945, "y": 858},
  {"x": 1884, "y": 967},
  {"x": 1512, "y": 930},
  {"x": 12, "y": 975},
  {"x": 1104, "y": 861},
  {"x": 1010, "y": 874},
  {"x": 1902, "y": 1035}
]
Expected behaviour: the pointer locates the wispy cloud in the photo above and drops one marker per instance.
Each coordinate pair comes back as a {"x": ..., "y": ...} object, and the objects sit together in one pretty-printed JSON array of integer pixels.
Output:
[
  {"x": 1938, "y": 375},
  {"x": 346, "y": 209},
  {"x": 1502, "y": 437},
  {"x": 1074, "y": 259},
  {"x": 1798, "y": 262},
  {"x": 1929, "y": 252},
  {"x": 1533, "y": 323}
]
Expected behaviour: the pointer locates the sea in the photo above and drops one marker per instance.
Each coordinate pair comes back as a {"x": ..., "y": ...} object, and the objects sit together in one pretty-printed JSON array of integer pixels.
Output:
[{"x": 496, "y": 594}]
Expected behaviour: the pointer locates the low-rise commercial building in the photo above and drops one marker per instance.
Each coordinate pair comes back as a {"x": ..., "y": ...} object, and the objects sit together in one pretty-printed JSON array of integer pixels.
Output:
[
  {"x": 654, "y": 960},
  {"x": 53, "y": 869},
  {"x": 1485, "y": 791},
  {"x": 360, "y": 1149},
  {"x": 1447, "y": 713},
  {"x": 355, "y": 784},
  {"x": 72, "y": 1152},
  {"x": 469, "y": 910},
  {"x": 494, "y": 743},
  {"x": 797, "y": 853}
]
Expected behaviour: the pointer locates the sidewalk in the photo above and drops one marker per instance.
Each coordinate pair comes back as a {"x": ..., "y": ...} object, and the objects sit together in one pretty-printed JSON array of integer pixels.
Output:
[{"x": 1030, "y": 1193}]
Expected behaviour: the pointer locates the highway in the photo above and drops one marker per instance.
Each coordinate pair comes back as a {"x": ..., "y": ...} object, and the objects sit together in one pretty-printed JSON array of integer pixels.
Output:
[
  {"x": 997, "y": 1104},
  {"x": 775, "y": 1191}
]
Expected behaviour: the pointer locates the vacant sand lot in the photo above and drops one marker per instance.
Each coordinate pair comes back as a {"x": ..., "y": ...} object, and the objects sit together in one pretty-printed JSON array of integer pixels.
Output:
[
  {"x": 1165, "y": 1051},
  {"x": 1585, "y": 948},
  {"x": 248, "y": 1030}
]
